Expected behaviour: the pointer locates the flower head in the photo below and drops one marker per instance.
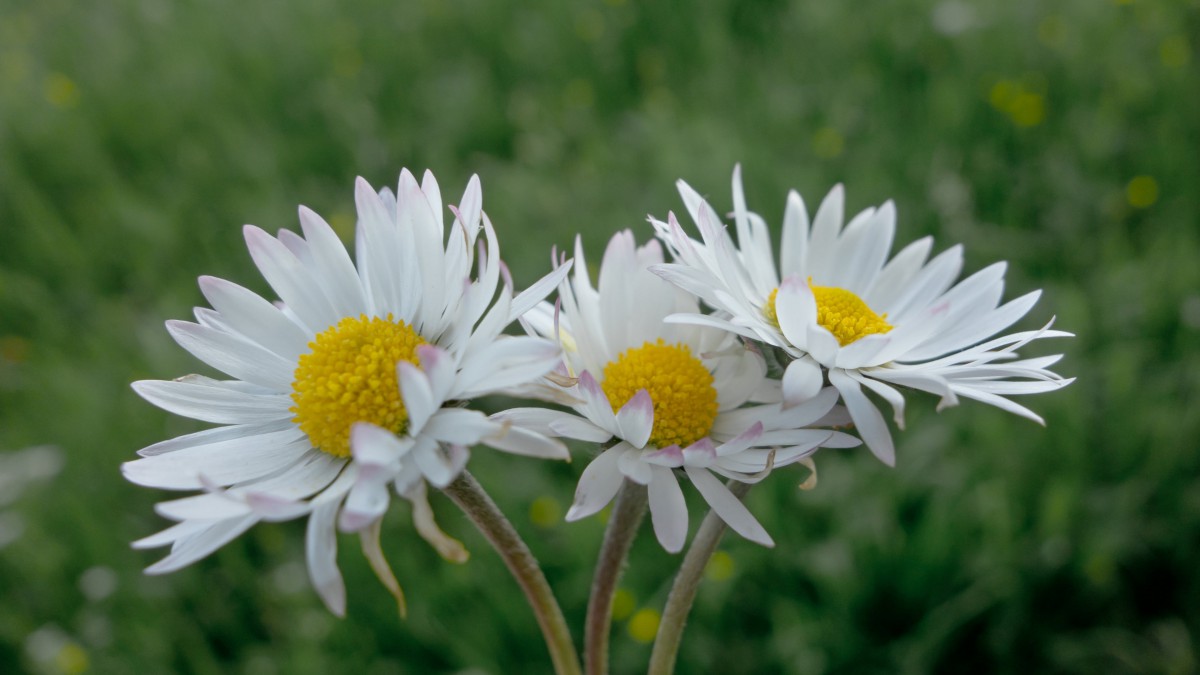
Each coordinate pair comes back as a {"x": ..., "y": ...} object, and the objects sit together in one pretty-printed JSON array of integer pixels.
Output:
[
  {"x": 837, "y": 306},
  {"x": 351, "y": 386},
  {"x": 669, "y": 396}
]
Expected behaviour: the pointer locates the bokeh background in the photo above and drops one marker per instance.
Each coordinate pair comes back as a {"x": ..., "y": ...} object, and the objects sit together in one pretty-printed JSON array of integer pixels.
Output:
[{"x": 136, "y": 136}]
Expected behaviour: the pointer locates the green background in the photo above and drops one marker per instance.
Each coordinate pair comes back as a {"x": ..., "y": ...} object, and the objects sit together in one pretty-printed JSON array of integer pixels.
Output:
[{"x": 137, "y": 136}]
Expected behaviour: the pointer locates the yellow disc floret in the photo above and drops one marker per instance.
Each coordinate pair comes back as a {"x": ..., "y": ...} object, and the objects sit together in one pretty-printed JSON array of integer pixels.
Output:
[
  {"x": 348, "y": 376},
  {"x": 685, "y": 402},
  {"x": 769, "y": 309},
  {"x": 846, "y": 316},
  {"x": 839, "y": 311}
]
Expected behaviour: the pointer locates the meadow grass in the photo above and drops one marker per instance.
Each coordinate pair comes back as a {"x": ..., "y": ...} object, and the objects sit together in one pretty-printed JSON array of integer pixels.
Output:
[{"x": 137, "y": 136}]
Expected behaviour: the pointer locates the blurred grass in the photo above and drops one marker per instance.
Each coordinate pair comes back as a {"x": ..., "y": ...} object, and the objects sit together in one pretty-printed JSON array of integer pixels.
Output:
[{"x": 136, "y": 136}]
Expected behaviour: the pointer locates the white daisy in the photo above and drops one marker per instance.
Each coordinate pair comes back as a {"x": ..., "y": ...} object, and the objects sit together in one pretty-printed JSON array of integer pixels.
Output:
[
  {"x": 349, "y": 387},
  {"x": 671, "y": 394},
  {"x": 842, "y": 306}
]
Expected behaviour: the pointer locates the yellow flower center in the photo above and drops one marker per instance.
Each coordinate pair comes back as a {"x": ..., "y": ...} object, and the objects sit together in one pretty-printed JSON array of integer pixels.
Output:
[
  {"x": 840, "y": 312},
  {"x": 350, "y": 376},
  {"x": 768, "y": 309},
  {"x": 685, "y": 402}
]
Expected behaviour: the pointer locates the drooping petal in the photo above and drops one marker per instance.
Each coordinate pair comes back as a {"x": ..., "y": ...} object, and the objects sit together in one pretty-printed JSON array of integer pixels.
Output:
[
  {"x": 320, "y": 545},
  {"x": 730, "y": 508},
  {"x": 598, "y": 484},
  {"x": 668, "y": 510},
  {"x": 867, "y": 418}
]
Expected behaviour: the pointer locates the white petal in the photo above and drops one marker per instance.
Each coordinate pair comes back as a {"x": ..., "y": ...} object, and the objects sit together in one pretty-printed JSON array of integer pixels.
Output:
[
  {"x": 438, "y": 365},
  {"x": 863, "y": 259},
  {"x": 697, "y": 282},
  {"x": 342, "y": 283},
  {"x": 171, "y": 534},
  {"x": 233, "y": 355},
  {"x": 867, "y": 418},
  {"x": 670, "y": 456},
  {"x": 372, "y": 445},
  {"x": 895, "y": 276},
  {"x": 553, "y": 423},
  {"x": 969, "y": 333},
  {"x": 367, "y": 502},
  {"x": 737, "y": 377},
  {"x": 252, "y": 316},
  {"x": 825, "y": 228},
  {"x": 821, "y": 344},
  {"x": 801, "y": 381},
  {"x": 889, "y": 394},
  {"x": 437, "y": 466},
  {"x": 448, "y": 547},
  {"x": 794, "y": 242},
  {"x": 668, "y": 510},
  {"x": 730, "y": 508},
  {"x": 460, "y": 426},
  {"x": 196, "y": 546},
  {"x": 710, "y": 321},
  {"x": 744, "y": 440},
  {"x": 418, "y": 396},
  {"x": 595, "y": 403},
  {"x": 388, "y": 266},
  {"x": 507, "y": 362},
  {"x": 433, "y": 194},
  {"x": 320, "y": 546},
  {"x": 598, "y": 484},
  {"x": 796, "y": 309},
  {"x": 415, "y": 215},
  {"x": 212, "y": 436},
  {"x": 222, "y": 462},
  {"x": 531, "y": 296},
  {"x": 630, "y": 464},
  {"x": 210, "y": 400},
  {"x": 291, "y": 279},
  {"x": 927, "y": 285},
  {"x": 519, "y": 441},
  {"x": 701, "y": 453},
  {"x": 635, "y": 419}
]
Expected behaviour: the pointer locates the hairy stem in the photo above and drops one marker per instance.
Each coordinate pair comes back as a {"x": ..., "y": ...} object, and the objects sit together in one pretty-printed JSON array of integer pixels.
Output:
[
  {"x": 623, "y": 524},
  {"x": 469, "y": 495},
  {"x": 687, "y": 582}
]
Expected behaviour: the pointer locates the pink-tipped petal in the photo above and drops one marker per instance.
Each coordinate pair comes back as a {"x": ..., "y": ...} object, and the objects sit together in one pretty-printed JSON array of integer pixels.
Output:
[
  {"x": 635, "y": 419},
  {"x": 598, "y": 484},
  {"x": 670, "y": 457},
  {"x": 701, "y": 453}
]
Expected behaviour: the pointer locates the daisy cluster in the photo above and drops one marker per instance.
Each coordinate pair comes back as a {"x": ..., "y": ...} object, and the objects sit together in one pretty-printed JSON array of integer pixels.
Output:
[{"x": 696, "y": 361}]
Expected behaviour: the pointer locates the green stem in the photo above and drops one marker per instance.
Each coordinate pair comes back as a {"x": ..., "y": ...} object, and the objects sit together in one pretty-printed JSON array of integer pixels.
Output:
[
  {"x": 623, "y": 524},
  {"x": 469, "y": 495},
  {"x": 687, "y": 582}
]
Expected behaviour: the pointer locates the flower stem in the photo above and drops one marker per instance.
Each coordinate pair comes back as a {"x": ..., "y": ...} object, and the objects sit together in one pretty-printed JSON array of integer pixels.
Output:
[
  {"x": 469, "y": 495},
  {"x": 623, "y": 524},
  {"x": 683, "y": 591}
]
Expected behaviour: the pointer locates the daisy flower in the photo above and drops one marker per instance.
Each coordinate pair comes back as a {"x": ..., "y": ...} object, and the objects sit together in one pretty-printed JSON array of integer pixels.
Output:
[
  {"x": 671, "y": 396},
  {"x": 348, "y": 388},
  {"x": 837, "y": 305}
]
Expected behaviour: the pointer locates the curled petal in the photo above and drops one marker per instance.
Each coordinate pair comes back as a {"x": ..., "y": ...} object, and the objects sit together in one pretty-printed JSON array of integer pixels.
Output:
[
  {"x": 379, "y": 564},
  {"x": 448, "y": 547}
]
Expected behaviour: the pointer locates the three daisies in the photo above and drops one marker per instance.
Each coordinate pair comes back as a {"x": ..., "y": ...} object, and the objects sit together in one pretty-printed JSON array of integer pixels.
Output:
[{"x": 357, "y": 384}]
